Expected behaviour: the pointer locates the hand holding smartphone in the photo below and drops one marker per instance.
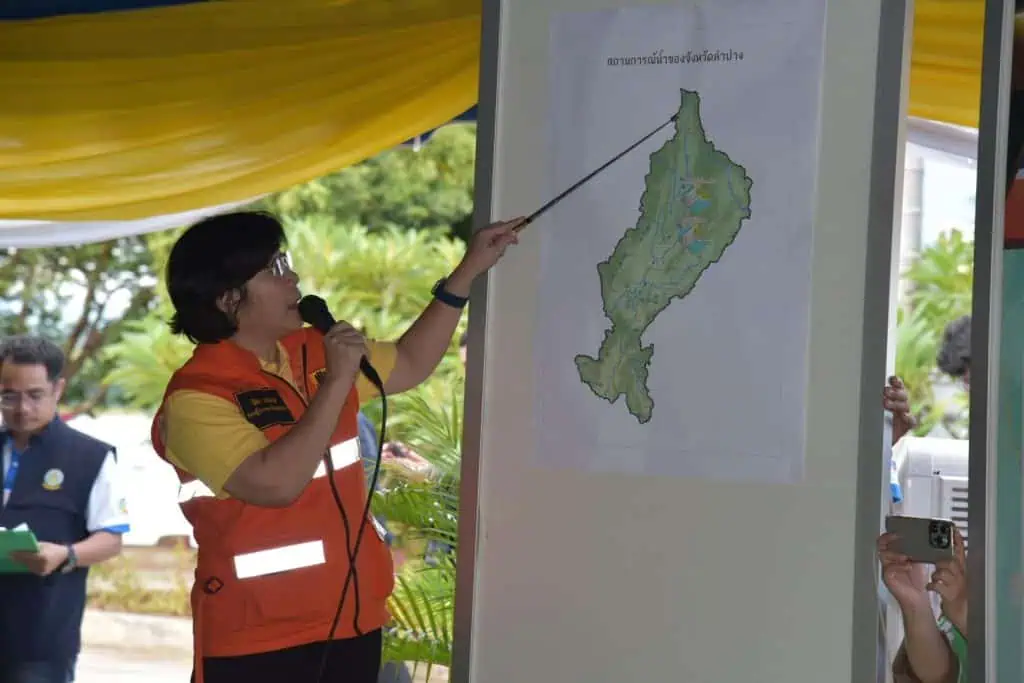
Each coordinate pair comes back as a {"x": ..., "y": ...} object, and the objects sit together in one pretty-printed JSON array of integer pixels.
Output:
[{"x": 924, "y": 540}]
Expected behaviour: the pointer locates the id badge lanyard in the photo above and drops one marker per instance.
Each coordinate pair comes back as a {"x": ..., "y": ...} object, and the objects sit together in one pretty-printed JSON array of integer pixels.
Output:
[{"x": 10, "y": 463}]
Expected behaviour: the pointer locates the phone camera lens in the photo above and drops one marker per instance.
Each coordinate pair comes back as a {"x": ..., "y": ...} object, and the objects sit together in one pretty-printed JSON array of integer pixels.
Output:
[{"x": 939, "y": 535}]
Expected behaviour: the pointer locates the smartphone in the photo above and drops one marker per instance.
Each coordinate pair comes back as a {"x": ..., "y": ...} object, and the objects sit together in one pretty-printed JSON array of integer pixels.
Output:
[{"x": 922, "y": 539}]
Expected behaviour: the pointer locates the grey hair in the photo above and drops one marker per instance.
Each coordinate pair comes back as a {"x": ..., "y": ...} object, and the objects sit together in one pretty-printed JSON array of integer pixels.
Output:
[{"x": 954, "y": 357}]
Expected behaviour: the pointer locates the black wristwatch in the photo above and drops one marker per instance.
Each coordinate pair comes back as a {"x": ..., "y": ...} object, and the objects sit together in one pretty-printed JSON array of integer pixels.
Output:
[
  {"x": 446, "y": 297},
  {"x": 71, "y": 563}
]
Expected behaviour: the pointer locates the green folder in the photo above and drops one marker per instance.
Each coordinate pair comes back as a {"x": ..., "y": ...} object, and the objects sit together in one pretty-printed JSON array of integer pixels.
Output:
[{"x": 12, "y": 540}]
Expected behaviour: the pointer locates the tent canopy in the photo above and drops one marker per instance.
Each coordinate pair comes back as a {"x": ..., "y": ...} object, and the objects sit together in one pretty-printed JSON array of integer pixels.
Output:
[
  {"x": 130, "y": 114},
  {"x": 128, "y": 109},
  {"x": 945, "y": 69}
]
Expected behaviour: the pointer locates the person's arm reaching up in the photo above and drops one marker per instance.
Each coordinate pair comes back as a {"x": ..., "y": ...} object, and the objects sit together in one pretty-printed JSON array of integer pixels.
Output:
[
  {"x": 925, "y": 656},
  {"x": 424, "y": 344},
  {"x": 928, "y": 654}
]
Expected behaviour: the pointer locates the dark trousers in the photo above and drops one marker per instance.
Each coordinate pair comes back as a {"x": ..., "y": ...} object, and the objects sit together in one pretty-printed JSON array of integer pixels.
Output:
[
  {"x": 352, "y": 660},
  {"x": 37, "y": 672},
  {"x": 394, "y": 672}
]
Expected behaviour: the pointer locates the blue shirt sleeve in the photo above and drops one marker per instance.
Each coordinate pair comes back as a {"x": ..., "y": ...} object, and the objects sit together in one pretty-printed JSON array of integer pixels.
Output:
[{"x": 367, "y": 436}]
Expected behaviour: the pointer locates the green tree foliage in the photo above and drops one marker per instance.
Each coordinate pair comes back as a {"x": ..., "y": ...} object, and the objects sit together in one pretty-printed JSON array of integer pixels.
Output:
[
  {"x": 378, "y": 281},
  {"x": 916, "y": 345},
  {"x": 942, "y": 278},
  {"x": 405, "y": 187},
  {"x": 78, "y": 297},
  {"x": 940, "y": 285}
]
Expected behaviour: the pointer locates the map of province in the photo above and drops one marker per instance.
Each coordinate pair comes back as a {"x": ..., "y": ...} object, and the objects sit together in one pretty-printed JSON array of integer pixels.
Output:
[{"x": 694, "y": 203}]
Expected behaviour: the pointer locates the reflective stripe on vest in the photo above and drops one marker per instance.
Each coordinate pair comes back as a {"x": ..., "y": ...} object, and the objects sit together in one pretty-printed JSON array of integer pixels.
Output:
[
  {"x": 281, "y": 559},
  {"x": 342, "y": 455}
]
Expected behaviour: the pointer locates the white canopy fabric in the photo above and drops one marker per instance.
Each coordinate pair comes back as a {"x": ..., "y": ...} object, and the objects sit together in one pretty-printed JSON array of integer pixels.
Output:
[
  {"x": 25, "y": 234},
  {"x": 956, "y": 145}
]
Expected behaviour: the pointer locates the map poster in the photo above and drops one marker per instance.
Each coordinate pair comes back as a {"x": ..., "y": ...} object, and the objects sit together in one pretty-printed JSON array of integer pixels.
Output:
[{"x": 673, "y": 328}]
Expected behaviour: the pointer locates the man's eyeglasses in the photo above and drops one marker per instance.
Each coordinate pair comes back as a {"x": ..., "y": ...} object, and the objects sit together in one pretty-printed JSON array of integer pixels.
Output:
[
  {"x": 9, "y": 399},
  {"x": 280, "y": 265}
]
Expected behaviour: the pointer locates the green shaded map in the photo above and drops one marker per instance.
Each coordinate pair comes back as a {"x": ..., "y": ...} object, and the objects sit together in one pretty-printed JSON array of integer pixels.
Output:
[{"x": 694, "y": 203}]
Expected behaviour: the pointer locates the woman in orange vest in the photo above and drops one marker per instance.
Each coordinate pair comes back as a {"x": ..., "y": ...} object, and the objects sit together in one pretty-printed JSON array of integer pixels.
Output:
[{"x": 260, "y": 424}]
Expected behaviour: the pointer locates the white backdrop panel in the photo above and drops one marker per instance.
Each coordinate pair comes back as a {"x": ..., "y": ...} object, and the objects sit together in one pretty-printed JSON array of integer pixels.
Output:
[{"x": 610, "y": 577}]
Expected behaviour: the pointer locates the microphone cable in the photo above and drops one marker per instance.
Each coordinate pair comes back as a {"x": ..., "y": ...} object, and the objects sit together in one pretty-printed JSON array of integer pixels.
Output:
[
  {"x": 314, "y": 311},
  {"x": 352, "y": 576}
]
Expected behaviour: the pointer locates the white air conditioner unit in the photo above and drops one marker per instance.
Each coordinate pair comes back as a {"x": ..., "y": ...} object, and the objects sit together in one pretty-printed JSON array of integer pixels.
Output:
[
  {"x": 932, "y": 474},
  {"x": 933, "y": 478}
]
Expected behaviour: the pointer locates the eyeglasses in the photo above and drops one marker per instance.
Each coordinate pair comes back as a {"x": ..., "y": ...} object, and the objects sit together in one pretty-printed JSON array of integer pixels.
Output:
[
  {"x": 280, "y": 265},
  {"x": 9, "y": 399}
]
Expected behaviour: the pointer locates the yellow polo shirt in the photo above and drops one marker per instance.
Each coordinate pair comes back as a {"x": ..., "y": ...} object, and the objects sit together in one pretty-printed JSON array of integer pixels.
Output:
[{"x": 208, "y": 437}]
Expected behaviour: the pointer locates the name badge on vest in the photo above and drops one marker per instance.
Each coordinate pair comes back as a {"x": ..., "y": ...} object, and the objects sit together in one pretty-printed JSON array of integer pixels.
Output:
[{"x": 264, "y": 408}]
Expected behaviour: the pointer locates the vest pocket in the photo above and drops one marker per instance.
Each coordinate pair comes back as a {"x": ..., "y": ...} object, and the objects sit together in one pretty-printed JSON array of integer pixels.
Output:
[
  {"x": 284, "y": 583},
  {"x": 265, "y": 592},
  {"x": 298, "y": 583},
  {"x": 282, "y": 571}
]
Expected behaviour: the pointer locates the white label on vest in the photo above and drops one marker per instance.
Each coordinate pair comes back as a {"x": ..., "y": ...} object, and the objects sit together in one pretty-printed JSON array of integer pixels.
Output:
[
  {"x": 282, "y": 559},
  {"x": 342, "y": 455}
]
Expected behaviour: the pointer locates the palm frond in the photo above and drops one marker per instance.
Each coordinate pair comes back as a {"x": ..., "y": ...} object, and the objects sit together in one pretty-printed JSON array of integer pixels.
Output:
[
  {"x": 146, "y": 356},
  {"x": 424, "y": 599},
  {"x": 422, "y": 608},
  {"x": 425, "y": 511}
]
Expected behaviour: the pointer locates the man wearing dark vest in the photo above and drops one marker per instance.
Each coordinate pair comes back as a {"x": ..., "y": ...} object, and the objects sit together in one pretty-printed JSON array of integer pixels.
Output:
[{"x": 64, "y": 486}]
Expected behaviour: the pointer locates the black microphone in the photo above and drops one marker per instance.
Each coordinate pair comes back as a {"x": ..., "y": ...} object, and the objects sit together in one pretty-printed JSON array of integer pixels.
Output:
[{"x": 314, "y": 311}]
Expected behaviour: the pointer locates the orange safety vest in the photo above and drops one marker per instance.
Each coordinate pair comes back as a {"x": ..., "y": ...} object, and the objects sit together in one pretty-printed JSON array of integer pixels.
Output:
[{"x": 270, "y": 578}]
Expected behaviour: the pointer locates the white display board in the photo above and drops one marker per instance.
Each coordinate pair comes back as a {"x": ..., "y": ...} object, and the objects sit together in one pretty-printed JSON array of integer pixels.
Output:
[
  {"x": 662, "y": 276},
  {"x": 574, "y": 573}
]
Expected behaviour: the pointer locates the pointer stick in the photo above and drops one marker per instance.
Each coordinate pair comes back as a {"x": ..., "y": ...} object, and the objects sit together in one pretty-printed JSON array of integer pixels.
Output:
[{"x": 536, "y": 214}]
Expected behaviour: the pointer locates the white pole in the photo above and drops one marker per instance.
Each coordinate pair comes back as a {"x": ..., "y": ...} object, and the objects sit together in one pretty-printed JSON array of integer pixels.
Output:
[{"x": 913, "y": 214}]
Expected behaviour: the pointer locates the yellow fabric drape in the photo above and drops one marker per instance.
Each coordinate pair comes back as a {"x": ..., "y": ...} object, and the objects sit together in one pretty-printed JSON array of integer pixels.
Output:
[
  {"x": 126, "y": 115},
  {"x": 131, "y": 114},
  {"x": 945, "y": 70}
]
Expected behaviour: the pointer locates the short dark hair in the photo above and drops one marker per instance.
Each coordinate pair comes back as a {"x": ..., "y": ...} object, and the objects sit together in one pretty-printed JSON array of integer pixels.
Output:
[
  {"x": 214, "y": 256},
  {"x": 954, "y": 357},
  {"x": 464, "y": 340},
  {"x": 25, "y": 350}
]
